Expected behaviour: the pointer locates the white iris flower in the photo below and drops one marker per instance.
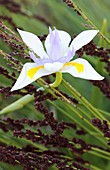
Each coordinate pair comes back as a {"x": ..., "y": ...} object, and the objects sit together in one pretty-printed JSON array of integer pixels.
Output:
[{"x": 56, "y": 58}]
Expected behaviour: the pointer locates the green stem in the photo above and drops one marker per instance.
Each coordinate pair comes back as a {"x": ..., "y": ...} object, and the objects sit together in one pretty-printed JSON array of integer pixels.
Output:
[
  {"x": 57, "y": 80},
  {"x": 56, "y": 83}
]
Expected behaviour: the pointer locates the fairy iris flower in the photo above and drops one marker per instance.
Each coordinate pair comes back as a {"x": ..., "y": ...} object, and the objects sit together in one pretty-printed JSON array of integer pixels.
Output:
[{"x": 56, "y": 57}]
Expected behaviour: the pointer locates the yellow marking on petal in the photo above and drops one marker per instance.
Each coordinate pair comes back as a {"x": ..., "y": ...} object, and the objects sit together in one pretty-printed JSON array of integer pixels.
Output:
[
  {"x": 33, "y": 71},
  {"x": 79, "y": 67}
]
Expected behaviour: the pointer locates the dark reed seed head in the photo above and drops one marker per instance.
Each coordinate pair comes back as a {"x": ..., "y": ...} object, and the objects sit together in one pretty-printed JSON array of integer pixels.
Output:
[
  {"x": 5, "y": 72},
  {"x": 103, "y": 85},
  {"x": 33, "y": 157},
  {"x": 69, "y": 3},
  {"x": 10, "y": 21},
  {"x": 103, "y": 127}
]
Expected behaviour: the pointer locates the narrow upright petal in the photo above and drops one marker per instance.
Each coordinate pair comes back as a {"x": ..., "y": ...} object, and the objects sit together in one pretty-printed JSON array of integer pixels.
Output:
[
  {"x": 33, "y": 57},
  {"x": 82, "y": 69},
  {"x": 33, "y": 42},
  {"x": 53, "y": 46},
  {"x": 30, "y": 72},
  {"x": 83, "y": 38},
  {"x": 64, "y": 39},
  {"x": 68, "y": 56}
]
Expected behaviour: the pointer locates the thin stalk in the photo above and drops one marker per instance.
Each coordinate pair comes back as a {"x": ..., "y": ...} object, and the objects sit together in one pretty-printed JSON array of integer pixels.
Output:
[
  {"x": 79, "y": 115},
  {"x": 95, "y": 152},
  {"x": 42, "y": 82},
  {"x": 101, "y": 151},
  {"x": 104, "y": 112},
  {"x": 69, "y": 116},
  {"x": 87, "y": 122},
  {"x": 4, "y": 139},
  {"x": 72, "y": 118},
  {"x": 5, "y": 55},
  {"x": 99, "y": 155},
  {"x": 94, "y": 167},
  {"x": 13, "y": 33},
  {"x": 78, "y": 96},
  {"x": 91, "y": 166},
  {"x": 103, "y": 30},
  {"x": 85, "y": 113},
  {"x": 99, "y": 66},
  {"x": 22, "y": 102},
  {"x": 80, "y": 11}
]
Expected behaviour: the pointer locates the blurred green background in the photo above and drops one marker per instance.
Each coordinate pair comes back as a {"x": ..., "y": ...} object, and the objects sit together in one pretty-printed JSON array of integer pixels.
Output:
[{"x": 36, "y": 16}]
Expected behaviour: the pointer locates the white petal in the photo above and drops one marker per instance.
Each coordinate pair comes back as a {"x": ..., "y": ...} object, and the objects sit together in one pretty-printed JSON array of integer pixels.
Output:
[
  {"x": 53, "y": 67},
  {"x": 24, "y": 79},
  {"x": 83, "y": 38},
  {"x": 33, "y": 42},
  {"x": 64, "y": 38},
  {"x": 87, "y": 72}
]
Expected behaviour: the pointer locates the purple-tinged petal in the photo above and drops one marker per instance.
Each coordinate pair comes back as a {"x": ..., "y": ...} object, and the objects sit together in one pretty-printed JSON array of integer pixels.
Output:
[
  {"x": 53, "y": 45},
  {"x": 44, "y": 61},
  {"x": 33, "y": 57},
  {"x": 64, "y": 40},
  {"x": 68, "y": 56},
  {"x": 39, "y": 61}
]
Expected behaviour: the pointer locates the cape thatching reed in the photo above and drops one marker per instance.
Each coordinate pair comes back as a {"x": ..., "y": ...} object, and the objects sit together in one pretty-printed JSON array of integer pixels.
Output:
[{"x": 62, "y": 125}]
